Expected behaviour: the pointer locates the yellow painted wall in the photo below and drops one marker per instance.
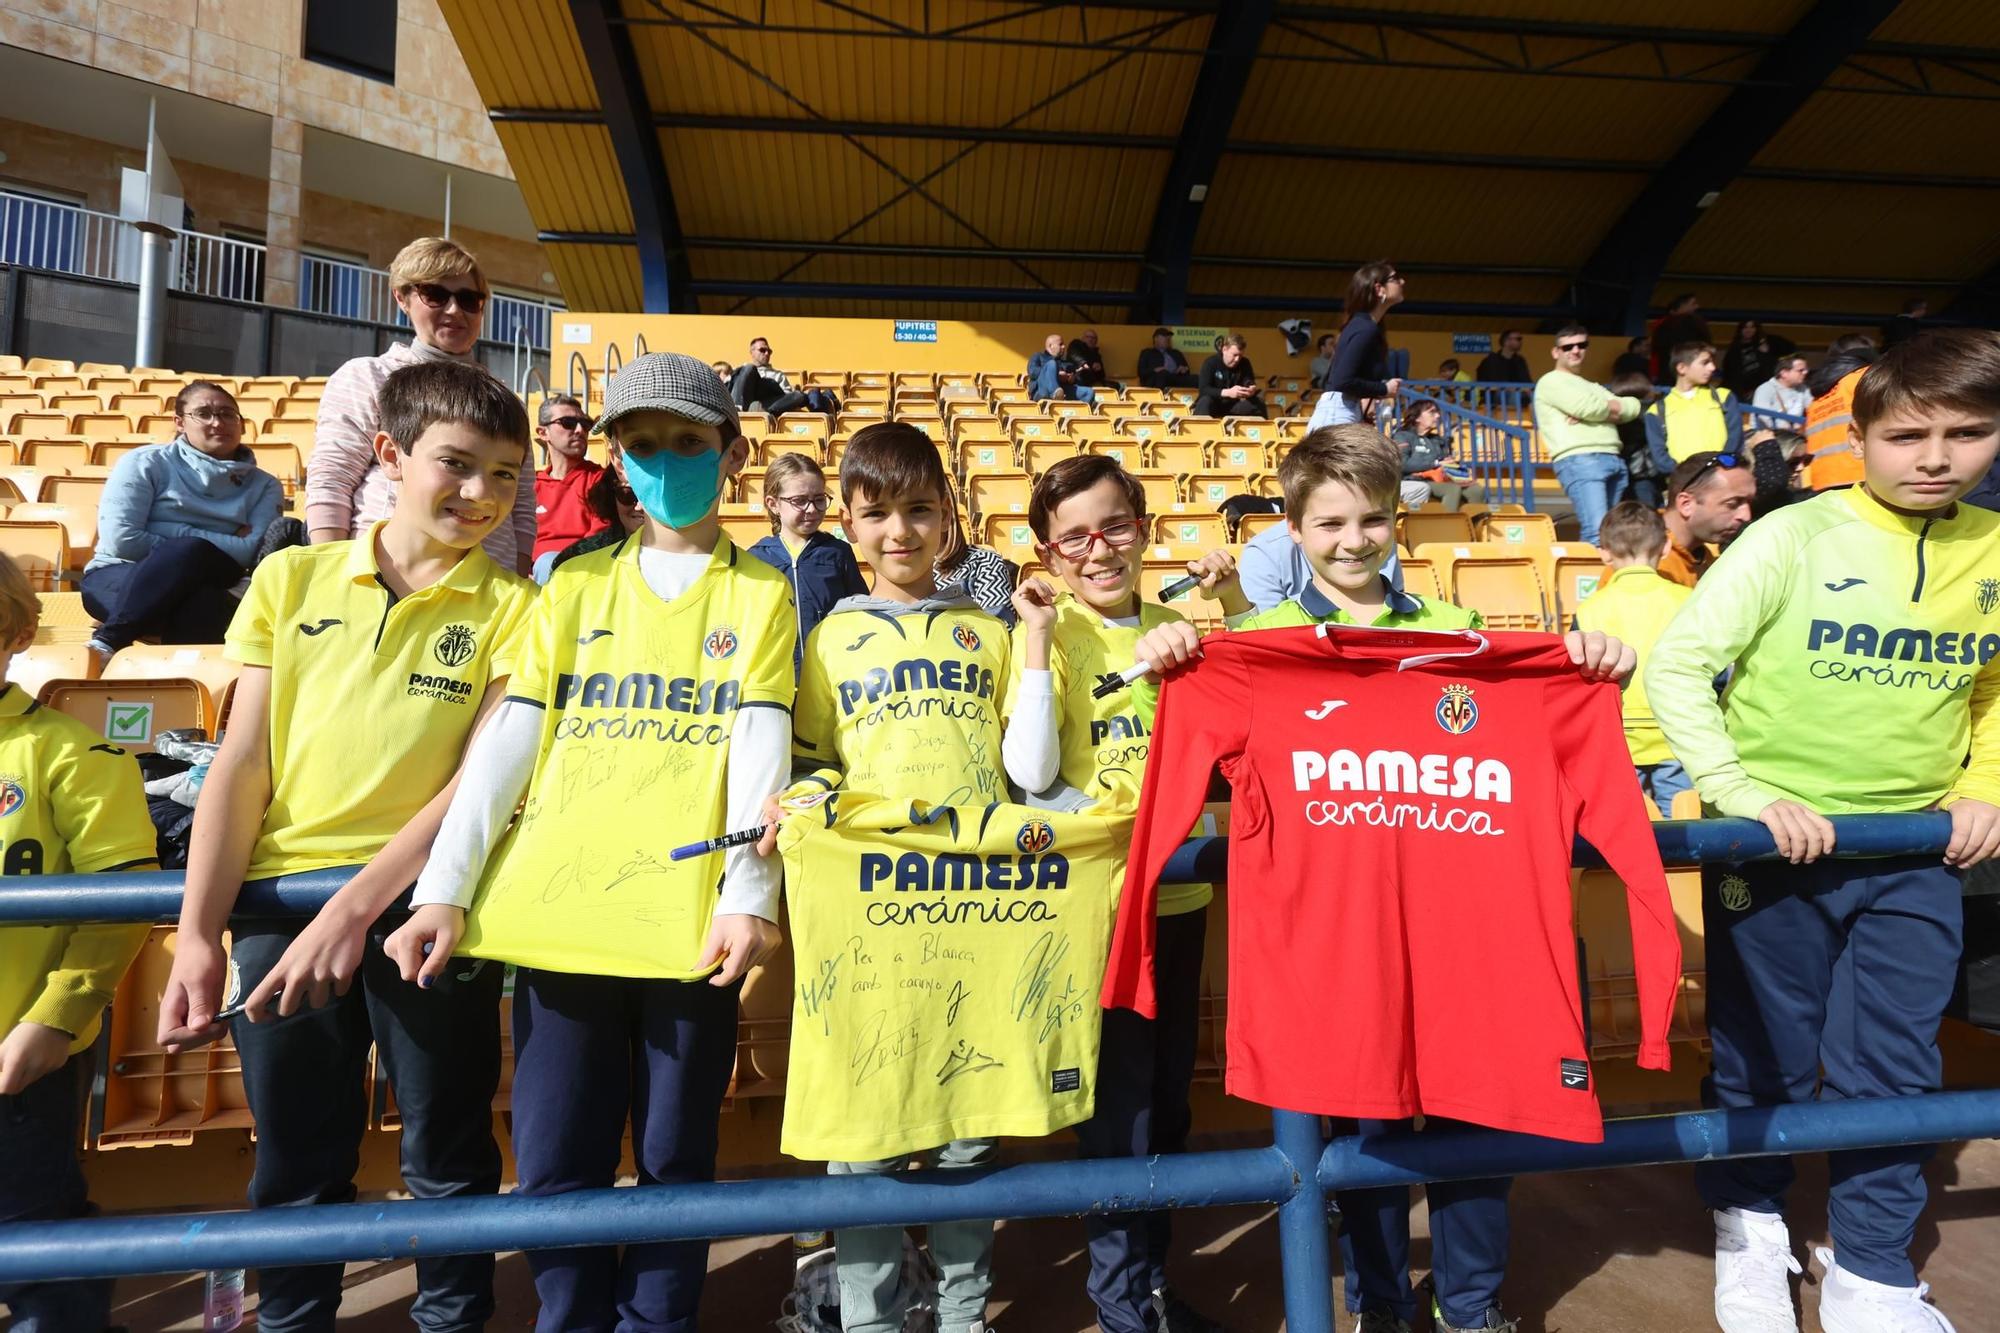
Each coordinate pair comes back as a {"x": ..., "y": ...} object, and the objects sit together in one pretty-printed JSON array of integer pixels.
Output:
[{"x": 869, "y": 344}]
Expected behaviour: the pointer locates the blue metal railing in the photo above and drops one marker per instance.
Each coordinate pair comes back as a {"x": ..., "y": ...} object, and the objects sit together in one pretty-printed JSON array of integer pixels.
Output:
[
  {"x": 1296, "y": 1172},
  {"x": 1498, "y": 454}
]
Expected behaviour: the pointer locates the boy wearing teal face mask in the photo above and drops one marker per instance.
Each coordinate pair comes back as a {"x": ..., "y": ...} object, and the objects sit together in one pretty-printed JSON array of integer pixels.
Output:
[{"x": 650, "y": 708}]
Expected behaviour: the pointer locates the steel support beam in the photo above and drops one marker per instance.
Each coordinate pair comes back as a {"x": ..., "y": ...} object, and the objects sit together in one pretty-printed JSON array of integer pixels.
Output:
[
  {"x": 621, "y": 92},
  {"x": 1233, "y": 39},
  {"x": 1616, "y": 284}
]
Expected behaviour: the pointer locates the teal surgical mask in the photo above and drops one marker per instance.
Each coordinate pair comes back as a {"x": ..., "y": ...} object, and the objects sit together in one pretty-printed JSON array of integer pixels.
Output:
[{"x": 676, "y": 489}]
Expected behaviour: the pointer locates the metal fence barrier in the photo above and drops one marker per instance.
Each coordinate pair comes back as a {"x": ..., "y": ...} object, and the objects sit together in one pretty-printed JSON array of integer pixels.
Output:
[{"x": 1297, "y": 1172}]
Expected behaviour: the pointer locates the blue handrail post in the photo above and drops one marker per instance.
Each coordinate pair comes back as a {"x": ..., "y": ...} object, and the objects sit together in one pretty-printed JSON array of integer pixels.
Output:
[{"x": 1303, "y": 1252}]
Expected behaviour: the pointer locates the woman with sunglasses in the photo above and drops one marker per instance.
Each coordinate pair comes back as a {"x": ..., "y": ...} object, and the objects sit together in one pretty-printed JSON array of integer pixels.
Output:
[
  {"x": 178, "y": 526},
  {"x": 563, "y": 513},
  {"x": 439, "y": 288}
]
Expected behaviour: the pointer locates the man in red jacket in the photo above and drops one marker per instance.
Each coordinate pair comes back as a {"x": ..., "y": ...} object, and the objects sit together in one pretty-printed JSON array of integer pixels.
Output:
[{"x": 562, "y": 488}]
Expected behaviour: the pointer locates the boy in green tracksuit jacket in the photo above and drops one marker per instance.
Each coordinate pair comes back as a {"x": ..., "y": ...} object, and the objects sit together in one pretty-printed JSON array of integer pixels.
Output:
[{"x": 1863, "y": 626}]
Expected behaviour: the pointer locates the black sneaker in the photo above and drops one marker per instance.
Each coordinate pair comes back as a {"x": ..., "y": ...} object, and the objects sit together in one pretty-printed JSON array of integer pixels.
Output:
[
  {"x": 1177, "y": 1316},
  {"x": 1493, "y": 1321},
  {"x": 1379, "y": 1321}
]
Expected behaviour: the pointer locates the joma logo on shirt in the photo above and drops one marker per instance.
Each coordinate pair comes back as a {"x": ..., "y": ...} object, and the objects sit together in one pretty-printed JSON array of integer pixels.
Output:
[
  {"x": 916, "y": 673},
  {"x": 1903, "y": 645},
  {"x": 955, "y": 871},
  {"x": 1117, "y": 729},
  {"x": 1401, "y": 771},
  {"x": 640, "y": 689}
]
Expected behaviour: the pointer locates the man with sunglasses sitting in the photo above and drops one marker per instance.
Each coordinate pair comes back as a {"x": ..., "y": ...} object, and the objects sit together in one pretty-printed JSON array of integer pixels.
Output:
[
  {"x": 439, "y": 287},
  {"x": 1578, "y": 421},
  {"x": 1708, "y": 503},
  {"x": 759, "y": 385},
  {"x": 563, "y": 512}
]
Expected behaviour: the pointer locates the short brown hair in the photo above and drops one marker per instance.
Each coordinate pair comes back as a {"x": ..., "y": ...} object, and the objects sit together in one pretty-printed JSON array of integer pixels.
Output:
[
  {"x": 783, "y": 468},
  {"x": 1632, "y": 531},
  {"x": 1936, "y": 371},
  {"x": 20, "y": 609},
  {"x": 1686, "y": 354},
  {"x": 1236, "y": 340},
  {"x": 416, "y": 397},
  {"x": 431, "y": 258},
  {"x": 1073, "y": 476},
  {"x": 891, "y": 459},
  {"x": 1354, "y": 454}
]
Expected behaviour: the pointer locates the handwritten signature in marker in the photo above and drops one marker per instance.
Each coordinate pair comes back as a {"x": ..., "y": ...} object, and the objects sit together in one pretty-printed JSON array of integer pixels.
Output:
[{"x": 965, "y": 1059}]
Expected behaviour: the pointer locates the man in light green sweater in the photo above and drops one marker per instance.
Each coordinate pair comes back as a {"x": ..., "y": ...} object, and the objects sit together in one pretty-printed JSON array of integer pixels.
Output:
[{"x": 1579, "y": 424}]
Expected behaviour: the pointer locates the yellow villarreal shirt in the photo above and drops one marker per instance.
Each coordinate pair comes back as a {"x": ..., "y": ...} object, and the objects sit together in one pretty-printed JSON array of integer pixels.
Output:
[
  {"x": 372, "y": 696},
  {"x": 1634, "y": 605},
  {"x": 1105, "y": 742},
  {"x": 905, "y": 701},
  {"x": 948, "y": 963},
  {"x": 639, "y": 699},
  {"x": 69, "y": 802}
]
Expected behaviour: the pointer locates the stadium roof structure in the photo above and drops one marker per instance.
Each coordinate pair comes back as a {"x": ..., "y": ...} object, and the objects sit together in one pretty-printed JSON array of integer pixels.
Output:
[{"x": 1810, "y": 161}]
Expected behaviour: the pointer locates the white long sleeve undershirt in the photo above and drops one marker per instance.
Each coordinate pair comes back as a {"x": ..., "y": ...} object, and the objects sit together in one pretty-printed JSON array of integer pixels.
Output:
[{"x": 502, "y": 759}]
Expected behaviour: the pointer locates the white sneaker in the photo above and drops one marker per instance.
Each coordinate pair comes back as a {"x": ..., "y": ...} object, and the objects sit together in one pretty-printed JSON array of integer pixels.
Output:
[
  {"x": 1850, "y": 1304},
  {"x": 1753, "y": 1256}
]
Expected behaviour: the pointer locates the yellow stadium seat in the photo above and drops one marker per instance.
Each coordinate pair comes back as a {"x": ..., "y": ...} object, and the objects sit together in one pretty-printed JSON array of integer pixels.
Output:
[
  {"x": 1244, "y": 457},
  {"x": 74, "y": 403},
  {"x": 56, "y": 455},
  {"x": 1163, "y": 491},
  {"x": 988, "y": 456},
  {"x": 34, "y": 667},
  {"x": 836, "y": 449},
  {"x": 854, "y": 418},
  {"x": 744, "y": 525},
  {"x": 1517, "y": 529},
  {"x": 1420, "y": 577},
  {"x": 10, "y": 454},
  {"x": 1194, "y": 533},
  {"x": 1208, "y": 490},
  {"x": 1086, "y": 429},
  {"x": 47, "y": 365},
  {"x": 1418, "y": 529},
  {"x": 35, "y": 425},
  {"x": 136, "y": 405},
  {"x": 1250, "y": 525},
  {"x": 281, "y": 460},
  {"x": 1010, "y": 535},
  {"x": 157, "y": 429},
  {"x": 78, "y": 522},
  {"x": 257, "y": 409},
  {"x": 82, "y": 492},
  {"x": 1573, "y": 571},
  {"x": 106, "y": 453},
  {"x": 205, "y": 664},
  {"x": 100, "y": 425},
  {"x": 41, "y": 549},
  {"x": 130, "y": 712},
  {"x": 1506, "y": 590},
  {"x": 1042, "y": 453},
  {"x": 988, "y": 494},
  {"x": 771, "y": 446},
  {"x": 750, "y": 486},
  {"x": 1024, "y": 429},
  {"x": 26, "y": 481},
  {"x": 1182, "y": 457},
  {"x": 296, "y": 431},
  {"x": 1142, "y": 428},
  {"x": 755, "y": 424},
  {"x": 1130, "y": 453}
]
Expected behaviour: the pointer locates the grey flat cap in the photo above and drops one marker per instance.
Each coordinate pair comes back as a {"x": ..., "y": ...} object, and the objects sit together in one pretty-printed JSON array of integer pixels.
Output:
[{"x": 669, "y": 382}]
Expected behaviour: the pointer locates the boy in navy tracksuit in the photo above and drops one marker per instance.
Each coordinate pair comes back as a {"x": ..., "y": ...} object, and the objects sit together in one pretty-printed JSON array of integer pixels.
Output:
[{"x": 821, "y": 566}]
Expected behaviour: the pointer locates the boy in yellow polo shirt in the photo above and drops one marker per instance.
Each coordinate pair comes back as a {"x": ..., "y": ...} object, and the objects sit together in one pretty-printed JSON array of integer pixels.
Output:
[
  {"x": 367, "y": 664},
  {"x": 69, "y": 802},
  {"x": 1634, "y": 606}
]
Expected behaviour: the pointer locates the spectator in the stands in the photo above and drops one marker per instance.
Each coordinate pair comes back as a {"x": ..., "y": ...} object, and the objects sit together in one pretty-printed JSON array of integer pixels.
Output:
[
  {"x": 760, "y": 385},
  {"x": 1052, "y": 377},
  {"x": 1324, "y": 361},
  {"x": 988, "y": 576},
  {"x": 1450, "y": 372},
  {"x": 1162, "y": 366},
  {"x": 1636, "y": 359},
  {"x": 1681, "y": 324},
  {"x": 723, "y": 370},
  {"x": 564, "y": 481},
  {"x": 1579, "y": 426},
  {"x": 439, "y": 287},
  {"x": 1830, "y": 458},
  {"x": 1785, "y": 391},
  {"x": 1507, "y": 365},
  {"x": 1083, "y": 350},
  {"x": 1645, "y": 482},
  {"x": 1709, "y": 500},
  {"x": 1907, "y": 324},
  {"x": 1752, "y": 357},
  {"x": 1777, "y": 463},
  {"x": 1360, "y": 371},
  {"x": 178, "y": 526},
  {"x": 1696, "y": 416},
  {"x": 612, "y": 501},
  {"x": 1429, "y": 470},
  {"x": 1227, "y": 385}
]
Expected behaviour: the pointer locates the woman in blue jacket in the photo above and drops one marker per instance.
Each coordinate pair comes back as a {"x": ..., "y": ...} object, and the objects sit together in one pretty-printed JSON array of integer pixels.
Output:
[
  {"x": 178, "y": 527},
  {"x": 822, "y": 567}
]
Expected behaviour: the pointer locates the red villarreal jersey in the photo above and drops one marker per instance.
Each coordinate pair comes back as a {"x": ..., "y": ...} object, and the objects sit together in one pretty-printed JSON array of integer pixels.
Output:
[{"x": 1400, "y": 931}]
